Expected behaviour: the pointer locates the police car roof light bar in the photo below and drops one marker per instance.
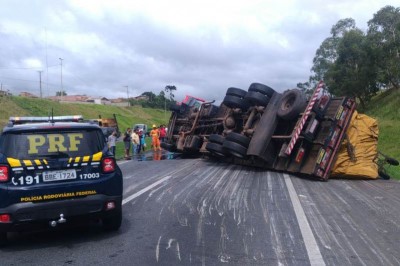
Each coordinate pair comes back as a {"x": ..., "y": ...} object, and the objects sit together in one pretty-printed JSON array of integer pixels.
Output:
[{"x": 38, "y": 119}]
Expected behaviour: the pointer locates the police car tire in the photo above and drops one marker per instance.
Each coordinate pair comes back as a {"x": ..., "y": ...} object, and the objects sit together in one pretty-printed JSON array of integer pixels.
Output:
[
  {"x": 113, "y": 223},
  {"x": 215, "y": 138},
  {"x": 238, "y": 138},
  {"x": 235, "y": 149},
  {"x": 292, "y": 104},
  {"x": 236, "y": 92},
  {"x": 3, "y": 239},
  {"x": 235, "y": 102},
  {"x": 257, "y": 98},
  {"x": 261, "y": 88}
]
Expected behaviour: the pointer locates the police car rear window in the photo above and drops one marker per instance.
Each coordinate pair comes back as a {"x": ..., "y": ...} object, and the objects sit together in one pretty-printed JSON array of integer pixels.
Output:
[{"x": 60, "y": 144}]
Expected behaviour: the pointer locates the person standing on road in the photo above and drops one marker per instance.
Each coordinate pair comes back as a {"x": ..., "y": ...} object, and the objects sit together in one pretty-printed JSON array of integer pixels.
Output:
[
  {"x": 143, "y": 141},
  {"x": 111, "y": 142},
  {"x": 135, "y": 142},
  {"x": 163, "y": 133},
  {"x": 127, "y": 142},
  {"x": 155, "y": 138}
]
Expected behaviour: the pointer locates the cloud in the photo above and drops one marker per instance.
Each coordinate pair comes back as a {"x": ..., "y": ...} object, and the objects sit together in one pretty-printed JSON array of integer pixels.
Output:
[{"x": 201, "y": 47}]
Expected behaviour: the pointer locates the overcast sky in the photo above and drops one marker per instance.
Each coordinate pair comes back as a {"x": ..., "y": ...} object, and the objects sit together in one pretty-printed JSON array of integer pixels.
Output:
[{"x": 201, "y": 47}]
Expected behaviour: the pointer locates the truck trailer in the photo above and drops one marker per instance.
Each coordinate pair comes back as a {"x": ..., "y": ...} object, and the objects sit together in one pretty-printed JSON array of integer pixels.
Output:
[{"x": 288, "y": 132}]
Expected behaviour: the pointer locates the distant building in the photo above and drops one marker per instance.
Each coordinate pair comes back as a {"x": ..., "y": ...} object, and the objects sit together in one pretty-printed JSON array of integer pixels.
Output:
[
  {"x": 27, "y": 94},
  {"x": 5, "y": 93}
]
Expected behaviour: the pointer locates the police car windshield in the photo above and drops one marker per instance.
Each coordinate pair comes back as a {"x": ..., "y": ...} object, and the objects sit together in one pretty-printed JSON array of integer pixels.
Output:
[{"x": 52, "y": 144}]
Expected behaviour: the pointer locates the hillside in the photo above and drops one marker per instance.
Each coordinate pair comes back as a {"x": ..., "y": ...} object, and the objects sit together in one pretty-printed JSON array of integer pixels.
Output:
[{"x": 126, "y": 116}]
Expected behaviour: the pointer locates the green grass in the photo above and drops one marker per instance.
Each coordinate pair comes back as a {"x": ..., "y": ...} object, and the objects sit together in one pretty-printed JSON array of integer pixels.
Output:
[
  {"x": 126, "y": 116},
  {"x": 384, "y": 107}
]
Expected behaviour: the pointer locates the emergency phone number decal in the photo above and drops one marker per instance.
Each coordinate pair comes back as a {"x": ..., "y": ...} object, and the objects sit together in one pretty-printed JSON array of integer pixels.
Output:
[{"x": 33, "y": 180}]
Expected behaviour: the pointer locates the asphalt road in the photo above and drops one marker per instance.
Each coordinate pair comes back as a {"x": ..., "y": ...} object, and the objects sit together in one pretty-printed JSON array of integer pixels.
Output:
[{"x": 202, "y": 212}]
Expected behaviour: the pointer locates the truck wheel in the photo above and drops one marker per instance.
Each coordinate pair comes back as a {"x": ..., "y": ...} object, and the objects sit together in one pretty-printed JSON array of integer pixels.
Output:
[
  {"x": 235, "y": 102},
  {"x": 215, "y": 138},
  {"x": 383, "y": 175},
  {"x": 235, "y": 149},
  {"x": 261, "y": 88},
  {"x": 292, "y": 104},
  {"x": 216, "y": 149},
  {"x": 236, "y": 92},
  {"x": 391, "y": 161},
  {"x": 168, "y": 146},
  {"x": 175, "y": 107},
  {"x": 113, "y": 223},
  {"x": 238, "y": 138},
  {"x": 257, "y": 98},
  {"x": 195, "y": 144}
]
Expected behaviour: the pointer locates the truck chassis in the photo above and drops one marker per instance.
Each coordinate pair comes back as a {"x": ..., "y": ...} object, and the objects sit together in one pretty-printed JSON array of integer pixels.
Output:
[{"x": 263, "y": 128}]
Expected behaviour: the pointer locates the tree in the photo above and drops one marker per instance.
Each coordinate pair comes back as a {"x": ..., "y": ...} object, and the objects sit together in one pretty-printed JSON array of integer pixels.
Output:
[
  {"x": 384, "y": 34},
  {"x": 354, "y": 72},
  {"x": 61, "y": 93},
  {"x": 326, "y": 54},
  {"x": 169, "y": 89}
]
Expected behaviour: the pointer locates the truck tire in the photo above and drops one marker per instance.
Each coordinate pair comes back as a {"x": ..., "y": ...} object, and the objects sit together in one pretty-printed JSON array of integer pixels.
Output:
[
  {"x": 235, "y": 102},
  {"x": 175, "y": 108},
  {"x": 236, "y": 92},
  {"x": 168, "y": 146},
  {"x": 195, "y": 144},
  {"x": 238, "y": 138},
  {"x": 215, "y": 138},
  {"x": 235, "y": 149},
  {"x": 261, "y": 88},
  {"x": 216, "y": 149},
  {"x": 257, "y": 98},
  {"x": 292, "y": 104}
]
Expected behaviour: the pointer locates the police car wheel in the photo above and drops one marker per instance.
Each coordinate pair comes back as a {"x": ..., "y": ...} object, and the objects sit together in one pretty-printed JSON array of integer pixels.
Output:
[
  {"x": 113, "y": 223},
  {"x": 3, "y": 239}
]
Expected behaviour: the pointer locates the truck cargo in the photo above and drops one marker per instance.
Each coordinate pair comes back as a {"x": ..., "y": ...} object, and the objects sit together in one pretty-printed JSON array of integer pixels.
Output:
[{"x": 286, "y": 132}]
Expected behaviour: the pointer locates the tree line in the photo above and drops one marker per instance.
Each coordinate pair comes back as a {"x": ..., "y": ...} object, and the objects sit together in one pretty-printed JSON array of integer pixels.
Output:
[
  {"x": 356, "y": 63},
  {"x": 163, "y": 100}
]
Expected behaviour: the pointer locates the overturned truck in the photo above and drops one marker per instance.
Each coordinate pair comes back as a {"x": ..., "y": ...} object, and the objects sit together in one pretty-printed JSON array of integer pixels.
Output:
[{"x": 263, "y": 128}]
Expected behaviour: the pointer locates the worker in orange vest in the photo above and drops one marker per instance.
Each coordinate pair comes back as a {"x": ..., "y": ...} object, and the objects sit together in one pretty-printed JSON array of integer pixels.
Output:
[{"x": 155, "y": 138}]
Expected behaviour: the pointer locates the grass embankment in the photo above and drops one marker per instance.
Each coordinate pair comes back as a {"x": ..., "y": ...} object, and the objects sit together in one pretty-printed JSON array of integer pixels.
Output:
[
  {"x": 385, "y": 108},
  {"x": 126, "y": 116}
]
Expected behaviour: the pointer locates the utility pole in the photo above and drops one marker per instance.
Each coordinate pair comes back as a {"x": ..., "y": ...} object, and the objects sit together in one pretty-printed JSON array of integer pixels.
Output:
[
  {"x": 40, "y": 83},
  {"x": 127, "y": 95},
  {"x": 62, "y": 89}
]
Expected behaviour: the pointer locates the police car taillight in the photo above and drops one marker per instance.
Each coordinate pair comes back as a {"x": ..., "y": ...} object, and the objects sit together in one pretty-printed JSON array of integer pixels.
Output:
[
  {"x": 108, "y": 165},
  {"x": 4, "y": 173},
  {"x": 5, "y": 218}
]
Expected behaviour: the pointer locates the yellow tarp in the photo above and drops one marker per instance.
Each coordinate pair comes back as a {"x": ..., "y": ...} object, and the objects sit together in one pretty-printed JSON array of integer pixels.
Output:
[{"x": 363, "y": 136}]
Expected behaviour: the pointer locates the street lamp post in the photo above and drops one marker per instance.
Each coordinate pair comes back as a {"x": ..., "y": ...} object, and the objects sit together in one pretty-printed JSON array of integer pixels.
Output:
[{"x": 62, "y": 89}]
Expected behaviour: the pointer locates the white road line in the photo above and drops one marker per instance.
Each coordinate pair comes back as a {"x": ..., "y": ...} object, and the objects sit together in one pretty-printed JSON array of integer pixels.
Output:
[
  {"x": 314, "y": 254},
  {"x": 144, "y": 190}
]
